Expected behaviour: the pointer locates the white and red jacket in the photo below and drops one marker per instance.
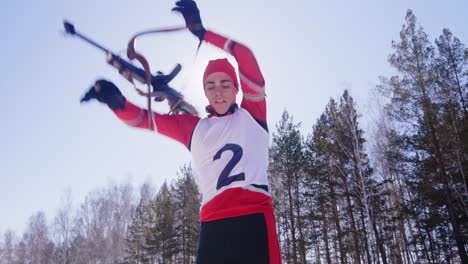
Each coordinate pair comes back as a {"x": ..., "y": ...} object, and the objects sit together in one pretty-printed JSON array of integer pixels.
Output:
[{"x": 230, "y": 152}]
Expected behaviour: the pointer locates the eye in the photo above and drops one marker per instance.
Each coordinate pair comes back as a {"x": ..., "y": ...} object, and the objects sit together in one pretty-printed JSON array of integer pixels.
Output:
[{"x": 227, "y": 85}]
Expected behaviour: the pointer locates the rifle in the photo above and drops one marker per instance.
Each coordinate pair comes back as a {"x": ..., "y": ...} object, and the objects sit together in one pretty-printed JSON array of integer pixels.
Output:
[{"x": 160, "y": 82}]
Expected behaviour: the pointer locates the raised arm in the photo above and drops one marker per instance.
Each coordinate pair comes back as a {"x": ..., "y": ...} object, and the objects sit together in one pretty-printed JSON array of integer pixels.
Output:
[
  {"x": 252, "y": 83},
  {"x": 251, "y": 78},
  {"x": 177, "y": 127}
]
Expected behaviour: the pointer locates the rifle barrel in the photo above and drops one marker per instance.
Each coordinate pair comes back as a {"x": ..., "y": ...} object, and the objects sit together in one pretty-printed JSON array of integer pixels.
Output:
[{"x": 92, "y": 42}]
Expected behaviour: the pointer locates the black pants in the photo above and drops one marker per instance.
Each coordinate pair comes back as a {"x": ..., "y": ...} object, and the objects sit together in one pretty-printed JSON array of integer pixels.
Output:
[{"x": 236, "y": 240}]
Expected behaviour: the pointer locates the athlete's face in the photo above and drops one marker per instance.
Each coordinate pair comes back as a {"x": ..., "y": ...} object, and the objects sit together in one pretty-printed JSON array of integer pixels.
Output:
[{"x": 220, "y": 91}]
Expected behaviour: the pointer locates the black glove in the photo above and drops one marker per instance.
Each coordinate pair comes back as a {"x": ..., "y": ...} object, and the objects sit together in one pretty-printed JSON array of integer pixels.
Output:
[
  {"x": 105, "y": 92},
  {"x": 189, "y": 9}
]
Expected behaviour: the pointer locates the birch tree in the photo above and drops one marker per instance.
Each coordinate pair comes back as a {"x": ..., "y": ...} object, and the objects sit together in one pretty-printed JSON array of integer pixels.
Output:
[
  {"x": 7, "y": 248},
  {"x": 39, "y": 249},
  {"x": 62, "y": 232}
]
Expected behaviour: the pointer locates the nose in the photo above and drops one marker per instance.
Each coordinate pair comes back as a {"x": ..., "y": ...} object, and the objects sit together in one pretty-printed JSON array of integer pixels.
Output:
[{"x": 218, "y": 90}]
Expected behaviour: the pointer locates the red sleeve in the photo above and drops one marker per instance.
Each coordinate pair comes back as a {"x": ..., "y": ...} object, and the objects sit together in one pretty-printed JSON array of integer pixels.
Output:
[
  {"x": 177, "y": 127},
  {"x": 251, "y": 78}
]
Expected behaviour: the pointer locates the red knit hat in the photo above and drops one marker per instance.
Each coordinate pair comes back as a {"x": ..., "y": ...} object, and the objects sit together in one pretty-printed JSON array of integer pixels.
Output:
[{"x": 220, "y": 65}]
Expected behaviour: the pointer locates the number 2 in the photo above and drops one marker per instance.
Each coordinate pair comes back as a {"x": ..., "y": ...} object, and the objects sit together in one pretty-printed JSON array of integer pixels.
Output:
[{"x": 224, "y": 178}]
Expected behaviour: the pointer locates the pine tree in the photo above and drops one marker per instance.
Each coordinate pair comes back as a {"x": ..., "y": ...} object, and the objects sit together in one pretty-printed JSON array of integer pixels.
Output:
[
  {"x": 321, "y": 186},
  {"x": 316, "y": 198},
  {"x": 136, "y": 248},
  {"x": 391, "y": 195},
  {"x": 451, "y": 70},
  {"x": 187, "y": 200},
  {"x": 417, "y": 103},
  {"x": 286, "y": 159},
  {"x": 350, "y": 139},
  {"x": 161, "y": 236},
  {"x": 452, "y": 78}
]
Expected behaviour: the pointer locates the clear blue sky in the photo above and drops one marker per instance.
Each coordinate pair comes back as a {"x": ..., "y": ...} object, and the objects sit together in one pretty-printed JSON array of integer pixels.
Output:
[{"x": 309, "y": 51}]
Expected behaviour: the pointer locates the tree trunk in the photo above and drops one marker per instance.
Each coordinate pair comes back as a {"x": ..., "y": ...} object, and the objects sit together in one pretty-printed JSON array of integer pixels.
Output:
[
  {"x": 293, "y": 225},
  {"x": 302, "y": 249},
  {"x": 454, "y": 221},
  {"x": 380, "y": 244},
  {"x": 357, "y": 250},
  {"x": 325, "y": 234},
  {"x": 457, "y": 235},
  {"x": 337, "y": 222}
]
